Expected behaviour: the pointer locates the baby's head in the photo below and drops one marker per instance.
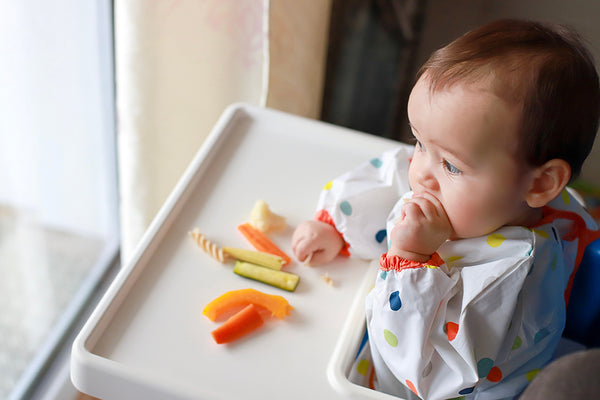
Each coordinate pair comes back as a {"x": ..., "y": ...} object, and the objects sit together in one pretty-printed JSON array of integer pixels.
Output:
[
  {"x": 544, "y": 69},
  {"x": 504, "y": 117}
]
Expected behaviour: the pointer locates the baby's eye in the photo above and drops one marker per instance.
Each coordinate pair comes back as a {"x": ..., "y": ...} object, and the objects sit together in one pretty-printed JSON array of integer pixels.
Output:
[{"x": 452, "y": 170}]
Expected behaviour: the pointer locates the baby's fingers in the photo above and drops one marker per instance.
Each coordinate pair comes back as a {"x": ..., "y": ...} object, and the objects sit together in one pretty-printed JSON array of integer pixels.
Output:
[
  {"x": 412, "y": 211},
  {"x": 430, "y": 206},
  {"x": 320, "y": 256},
  {"x": 301, "y": 247},
  {"x": 309, "y": 252}
]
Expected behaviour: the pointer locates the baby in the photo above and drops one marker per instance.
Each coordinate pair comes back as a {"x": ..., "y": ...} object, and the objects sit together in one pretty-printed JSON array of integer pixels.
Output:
[{"x": 484, "y": 242}]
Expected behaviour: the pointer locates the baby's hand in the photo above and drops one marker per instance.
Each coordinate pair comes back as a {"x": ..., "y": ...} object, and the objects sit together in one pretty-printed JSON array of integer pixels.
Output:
[
  {"x": 316, "y": 242},
  {"x": 422, "y": 228}
]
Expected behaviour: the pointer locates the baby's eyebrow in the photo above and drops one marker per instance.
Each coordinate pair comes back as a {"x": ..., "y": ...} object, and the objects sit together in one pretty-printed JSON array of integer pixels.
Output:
[{"x": 458, "y": 155}]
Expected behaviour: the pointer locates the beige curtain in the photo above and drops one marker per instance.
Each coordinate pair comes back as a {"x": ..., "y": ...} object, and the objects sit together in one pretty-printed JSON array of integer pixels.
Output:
[{"x": 179, "y": 63}]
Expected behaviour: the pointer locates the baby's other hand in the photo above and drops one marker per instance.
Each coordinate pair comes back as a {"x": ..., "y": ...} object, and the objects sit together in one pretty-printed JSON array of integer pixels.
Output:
[
  {"x": 422, "y": 228},
  {"x": 316, "y": 242}
]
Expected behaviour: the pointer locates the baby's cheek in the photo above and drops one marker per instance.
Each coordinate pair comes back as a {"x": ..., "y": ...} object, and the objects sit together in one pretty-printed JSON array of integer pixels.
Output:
[
  {"x": 464, "y": 217},
  {"x": 476, "y": 217}
]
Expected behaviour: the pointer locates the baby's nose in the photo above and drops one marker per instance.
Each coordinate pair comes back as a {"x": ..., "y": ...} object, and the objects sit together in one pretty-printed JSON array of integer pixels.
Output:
[{"x": 428, "y": 181}]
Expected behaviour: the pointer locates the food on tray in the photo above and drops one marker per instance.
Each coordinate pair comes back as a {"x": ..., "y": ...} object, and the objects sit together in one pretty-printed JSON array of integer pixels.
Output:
[
  {"x": 209, "y": 247},
  {"x": 263, "y": 219},
  {"x": 261, "y": 242},
  {"x": 240, "y": 324},
  {"x": 327, "y": 279},
  {"x": 255, "y": 257},
  {"x": 281, "y": 279},
  {"x": 277, "y": 305}
]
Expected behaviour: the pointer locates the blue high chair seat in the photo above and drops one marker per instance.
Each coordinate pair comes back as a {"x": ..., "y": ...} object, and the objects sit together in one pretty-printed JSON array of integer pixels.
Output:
[
  {"x": 583, "y": 312},
  {"x": 574, "y": 375}
]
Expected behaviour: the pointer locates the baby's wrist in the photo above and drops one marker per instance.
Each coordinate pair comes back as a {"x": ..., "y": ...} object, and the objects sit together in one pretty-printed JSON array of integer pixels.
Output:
[{"x": 408, "y": 255}]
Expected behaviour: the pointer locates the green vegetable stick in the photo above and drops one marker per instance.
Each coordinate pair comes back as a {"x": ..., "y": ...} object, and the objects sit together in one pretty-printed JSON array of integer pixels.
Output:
[{"x": 281, "y": 279}]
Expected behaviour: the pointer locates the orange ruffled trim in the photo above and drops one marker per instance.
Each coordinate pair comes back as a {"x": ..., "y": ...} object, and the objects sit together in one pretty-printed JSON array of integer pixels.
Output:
[
  {"x": 397, "y": 263},
  {"x": 324, "y": 216}
]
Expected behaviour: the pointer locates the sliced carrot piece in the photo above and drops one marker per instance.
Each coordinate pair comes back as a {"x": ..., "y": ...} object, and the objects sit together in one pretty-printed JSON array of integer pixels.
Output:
[
  {"x": 261, "y": 242},
  {"x": 238, "y": 325},
  {"x": 278, "y": 305}
]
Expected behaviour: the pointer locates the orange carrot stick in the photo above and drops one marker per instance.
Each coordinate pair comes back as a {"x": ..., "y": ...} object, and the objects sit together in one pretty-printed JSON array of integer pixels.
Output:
[
  {"x": 261, "y": 242},
  {"x": 238, "y": 325}
]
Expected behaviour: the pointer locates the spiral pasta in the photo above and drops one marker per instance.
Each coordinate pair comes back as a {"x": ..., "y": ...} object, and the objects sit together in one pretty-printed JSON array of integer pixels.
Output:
[{"x": 209, "y": 247}]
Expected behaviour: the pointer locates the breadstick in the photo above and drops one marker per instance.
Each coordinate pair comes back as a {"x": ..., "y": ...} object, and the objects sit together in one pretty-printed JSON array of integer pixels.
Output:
[{"x": 209, "y": 247}]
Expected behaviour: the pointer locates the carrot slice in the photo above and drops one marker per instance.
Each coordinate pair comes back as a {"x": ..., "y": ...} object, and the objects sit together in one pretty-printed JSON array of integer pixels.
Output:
[
  {"x": 261, "y": 242},
  {"x": 278, "y": 305},
  {"x": 238, "y": 325}
]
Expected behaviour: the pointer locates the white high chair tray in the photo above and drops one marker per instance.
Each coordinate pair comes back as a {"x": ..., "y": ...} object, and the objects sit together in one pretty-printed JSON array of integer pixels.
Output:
[{"x": 148, "y": 339}]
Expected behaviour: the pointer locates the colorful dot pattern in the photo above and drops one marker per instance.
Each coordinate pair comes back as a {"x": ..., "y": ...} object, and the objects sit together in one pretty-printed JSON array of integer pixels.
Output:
[
  {"x": 376, "y": 162},
  {"x": 532, "y": 374},
  {"x": 467, "y": 391},
  {"x": 453, "y": 259},
  {"x": 412, "y": 387},
  {"x": 565, "y": 197},
  {"x": 380, "y": 235},
  {"x": 486, "y": 367},
  {"x": 495, "y": 240},
  {"x": 451, "y": 330},
  {"x": 390, "y": 338},
  {"x": 346, "y": 208},
  {"x": 362, "y": 367},
  {"x": 517, "y": 343},
  {"x": 395, "y": 302},
  {"x": 542, "y": 233}
]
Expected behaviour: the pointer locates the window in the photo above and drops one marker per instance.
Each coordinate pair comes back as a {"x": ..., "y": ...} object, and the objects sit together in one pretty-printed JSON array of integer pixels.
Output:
[{"x": 58, "y": 191}]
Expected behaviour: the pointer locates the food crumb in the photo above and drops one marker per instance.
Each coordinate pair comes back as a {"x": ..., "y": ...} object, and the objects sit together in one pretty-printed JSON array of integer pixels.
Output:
[{"x": 327, "y": 279}]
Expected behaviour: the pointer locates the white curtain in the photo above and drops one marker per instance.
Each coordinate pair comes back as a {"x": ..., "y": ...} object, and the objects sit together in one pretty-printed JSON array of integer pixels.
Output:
[{"x": 179, "y": 63}]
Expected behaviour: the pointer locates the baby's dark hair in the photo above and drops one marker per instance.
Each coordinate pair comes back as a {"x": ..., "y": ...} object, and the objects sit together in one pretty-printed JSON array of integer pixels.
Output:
[{"x": 545, "y": 68}]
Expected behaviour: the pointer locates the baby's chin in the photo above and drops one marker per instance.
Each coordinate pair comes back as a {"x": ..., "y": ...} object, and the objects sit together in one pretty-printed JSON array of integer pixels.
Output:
[
  {"x": 454, "y": 236},
  {"x": 468, "y": 235}
]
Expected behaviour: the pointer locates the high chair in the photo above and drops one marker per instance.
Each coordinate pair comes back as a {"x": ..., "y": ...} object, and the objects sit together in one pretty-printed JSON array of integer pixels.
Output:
[{"x": 583, "y": 312}]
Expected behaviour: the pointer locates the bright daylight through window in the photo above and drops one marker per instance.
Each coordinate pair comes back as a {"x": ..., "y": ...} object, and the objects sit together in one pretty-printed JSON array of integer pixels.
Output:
[{"x": 58, "y": 191}]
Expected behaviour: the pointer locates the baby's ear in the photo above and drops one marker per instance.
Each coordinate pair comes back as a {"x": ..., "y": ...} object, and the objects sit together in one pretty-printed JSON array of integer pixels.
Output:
[{"x": 548, "y": 181}]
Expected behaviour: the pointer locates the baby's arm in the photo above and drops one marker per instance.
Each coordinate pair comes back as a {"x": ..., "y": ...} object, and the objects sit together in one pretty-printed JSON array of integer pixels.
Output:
[
  {"x": 355, "y": 205},
  {"x": 316, "y": 242},
  {"x": 422, "y": 228}
]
